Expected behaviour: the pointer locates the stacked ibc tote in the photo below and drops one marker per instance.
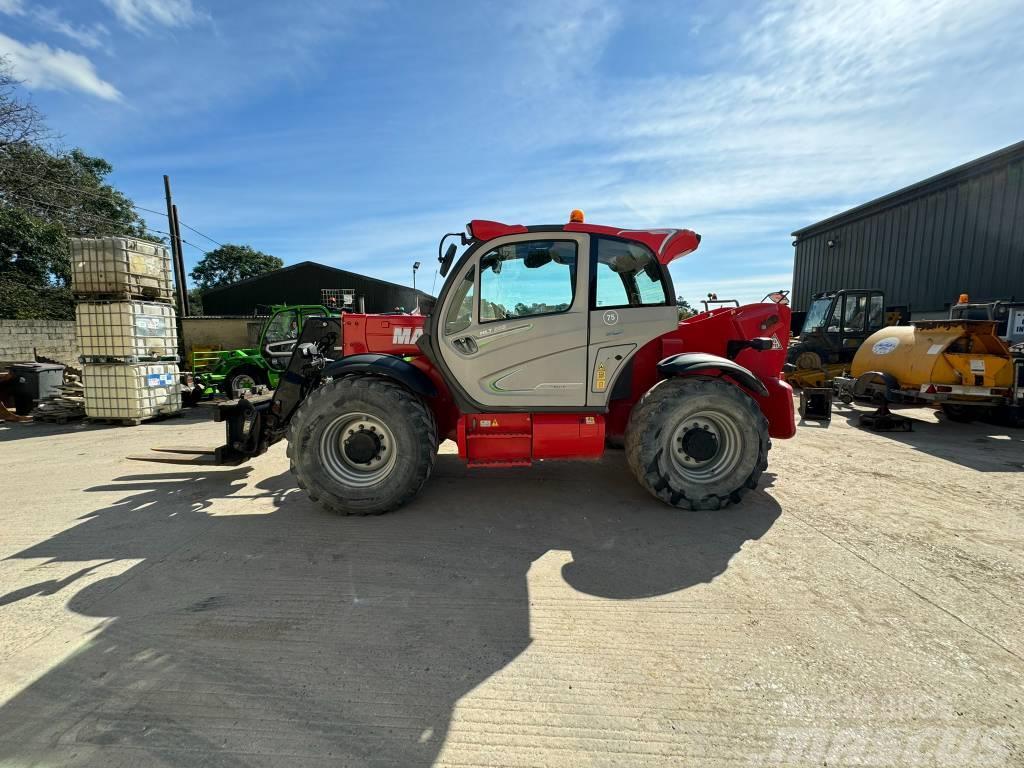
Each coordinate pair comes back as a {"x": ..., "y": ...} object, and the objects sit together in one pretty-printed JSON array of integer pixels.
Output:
[{"x": 127, "y": 328}]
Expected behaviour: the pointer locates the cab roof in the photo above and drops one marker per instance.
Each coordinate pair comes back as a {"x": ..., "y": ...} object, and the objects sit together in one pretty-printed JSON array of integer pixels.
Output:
[{"x": 667, "y": 244}]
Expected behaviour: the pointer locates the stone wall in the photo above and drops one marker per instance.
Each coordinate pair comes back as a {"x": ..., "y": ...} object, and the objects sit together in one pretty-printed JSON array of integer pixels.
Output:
[{"x": 54, "y": 339}]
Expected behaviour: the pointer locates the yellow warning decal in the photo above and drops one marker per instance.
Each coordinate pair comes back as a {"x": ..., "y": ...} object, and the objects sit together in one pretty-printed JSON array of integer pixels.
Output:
[{"x": 601, "y": 377}]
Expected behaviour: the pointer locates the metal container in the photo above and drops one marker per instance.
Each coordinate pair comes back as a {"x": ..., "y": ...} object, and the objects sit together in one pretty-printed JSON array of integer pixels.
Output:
[
  {"x": 119, "y": 267},
  {"x": 131, "y": 391},
  {"x": 34, "y": 382},
  {"x": 131, "y": 331}
]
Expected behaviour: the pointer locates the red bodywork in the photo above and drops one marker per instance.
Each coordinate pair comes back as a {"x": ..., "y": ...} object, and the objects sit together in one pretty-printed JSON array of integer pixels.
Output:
[{"x": 514, "y": 439}]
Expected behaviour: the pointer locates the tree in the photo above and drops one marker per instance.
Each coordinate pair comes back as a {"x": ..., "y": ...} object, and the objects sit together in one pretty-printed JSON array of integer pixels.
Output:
[
  {"x": 47, "y": 195},
  {"x": 231, "y": 263},
  {"x": 685, "y": 310},
  {"x": 20, "y": 121}
]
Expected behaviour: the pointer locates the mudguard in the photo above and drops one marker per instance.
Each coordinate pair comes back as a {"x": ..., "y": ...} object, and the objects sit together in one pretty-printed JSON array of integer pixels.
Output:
[
  {"x": 696, "y": 362},
  {"x": 387, "y": 366}
]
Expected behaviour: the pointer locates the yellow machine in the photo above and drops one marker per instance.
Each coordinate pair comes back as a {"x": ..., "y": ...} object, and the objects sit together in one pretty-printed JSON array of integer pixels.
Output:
[
  {"x": 836, "y": 324},
  {"x": 971, "y": 364}
]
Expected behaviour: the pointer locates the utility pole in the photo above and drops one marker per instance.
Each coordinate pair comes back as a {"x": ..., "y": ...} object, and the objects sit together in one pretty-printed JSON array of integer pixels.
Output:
[
  {"x": 415, "y": 266},
  {"x": 181, "y": 262},
  {"x": 176, "y": 258}
]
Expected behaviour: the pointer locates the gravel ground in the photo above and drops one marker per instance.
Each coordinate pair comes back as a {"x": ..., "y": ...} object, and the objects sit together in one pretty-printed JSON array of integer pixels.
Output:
[{"x": 863, "y": 607}]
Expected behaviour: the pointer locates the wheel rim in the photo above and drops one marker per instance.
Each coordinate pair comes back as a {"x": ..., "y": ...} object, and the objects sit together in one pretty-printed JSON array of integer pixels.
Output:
[
  {"x": 706, "y": 447},
  {"x": 243, "y": 381},
  {"x": 357, "y": 449}
]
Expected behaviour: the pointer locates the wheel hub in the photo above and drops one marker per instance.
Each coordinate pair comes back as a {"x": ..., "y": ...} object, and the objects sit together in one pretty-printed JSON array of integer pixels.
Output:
[
  {"x": 705, "y": 447},
  {"x": 362, "y": 446},
  {"x": 699, "y": 444},
  {"x": 357, "y": 449}
]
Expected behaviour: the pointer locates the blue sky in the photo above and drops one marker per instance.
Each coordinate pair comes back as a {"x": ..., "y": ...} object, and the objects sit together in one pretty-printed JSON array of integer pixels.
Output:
[{"x": 356, "y": 133}]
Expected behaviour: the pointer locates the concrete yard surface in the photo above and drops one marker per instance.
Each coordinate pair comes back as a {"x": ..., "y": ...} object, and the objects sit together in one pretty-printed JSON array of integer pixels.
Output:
[{"x": 862, "y": 607}]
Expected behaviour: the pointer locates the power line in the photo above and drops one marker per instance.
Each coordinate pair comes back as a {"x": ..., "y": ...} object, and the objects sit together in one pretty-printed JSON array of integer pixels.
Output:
[
  {"x": 92, "y": 193},
  {"x": 186, "y": 226},
  {"x": 88, "y": 192},
  {"x": 65, "y": 209},
  {"x": 98, "y": 217}
]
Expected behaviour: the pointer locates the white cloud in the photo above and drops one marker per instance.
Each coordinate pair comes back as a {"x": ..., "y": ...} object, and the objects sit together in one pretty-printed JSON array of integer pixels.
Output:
[
  {"x": 92, "y": 36},
  {"x": 46, "y": 68},
  {"x": 12, "y": 7},
  {"x": 140, "y": 15}
]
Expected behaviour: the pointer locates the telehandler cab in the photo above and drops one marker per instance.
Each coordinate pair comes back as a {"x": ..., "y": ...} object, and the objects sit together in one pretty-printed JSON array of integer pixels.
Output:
[{"x": 545, "y": 342}]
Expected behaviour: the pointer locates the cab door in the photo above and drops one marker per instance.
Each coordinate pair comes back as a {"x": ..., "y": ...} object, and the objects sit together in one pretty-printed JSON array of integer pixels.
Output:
[
  {"x": 513, "y": 329},
  {"x": 632, "y": 304},
  {"x": 279, "y": 339}
]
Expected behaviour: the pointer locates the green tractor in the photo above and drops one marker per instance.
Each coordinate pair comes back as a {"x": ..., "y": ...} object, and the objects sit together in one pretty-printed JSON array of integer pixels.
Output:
[{"x": 232, "y": 371}]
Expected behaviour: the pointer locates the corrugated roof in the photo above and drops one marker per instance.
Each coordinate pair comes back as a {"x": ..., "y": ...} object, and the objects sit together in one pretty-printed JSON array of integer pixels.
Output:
[{"x": 301, "y": 264}]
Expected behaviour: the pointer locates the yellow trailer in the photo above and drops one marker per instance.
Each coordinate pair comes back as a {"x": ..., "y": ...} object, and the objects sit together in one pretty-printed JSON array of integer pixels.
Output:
[{"x": 962, "y": 364}]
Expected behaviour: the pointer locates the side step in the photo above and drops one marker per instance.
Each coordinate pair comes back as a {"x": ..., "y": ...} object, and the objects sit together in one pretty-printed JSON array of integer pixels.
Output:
[{"x": 519, "y": 439}]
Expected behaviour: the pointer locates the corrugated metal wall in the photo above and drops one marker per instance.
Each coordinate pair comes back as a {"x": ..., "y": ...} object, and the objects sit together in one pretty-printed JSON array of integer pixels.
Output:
[
  {"x": 923, "y": 250},
  {"x": 301, "y": 284}
]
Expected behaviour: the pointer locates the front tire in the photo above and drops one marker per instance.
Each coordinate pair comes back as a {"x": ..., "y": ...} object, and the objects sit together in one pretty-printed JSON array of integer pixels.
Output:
[
  {"x": 242, "y": 378},
  {"x": 697, "y": 442},
  {"x": 362, "y": 445}
]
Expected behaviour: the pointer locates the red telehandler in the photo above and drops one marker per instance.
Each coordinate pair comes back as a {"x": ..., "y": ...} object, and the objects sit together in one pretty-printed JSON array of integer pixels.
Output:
[{"x": 546, "y": 342}]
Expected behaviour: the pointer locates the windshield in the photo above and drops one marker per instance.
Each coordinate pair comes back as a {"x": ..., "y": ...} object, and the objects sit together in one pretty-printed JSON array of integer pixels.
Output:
[{"x": 816, "y": 315}]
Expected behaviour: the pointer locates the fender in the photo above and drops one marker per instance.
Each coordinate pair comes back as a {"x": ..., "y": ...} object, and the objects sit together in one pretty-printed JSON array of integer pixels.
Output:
[
  {"x": 387, "y": 366},
  {"x": 695, "y": 362}
]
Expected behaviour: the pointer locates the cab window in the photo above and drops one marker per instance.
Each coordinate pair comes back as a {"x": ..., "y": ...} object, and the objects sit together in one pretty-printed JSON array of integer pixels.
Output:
[
  {"x": 627, "y": 275},
  {"x": 460, "y": 311},
  {"x": 525, "y": 279},
  {"x": 284, "y": 326}
]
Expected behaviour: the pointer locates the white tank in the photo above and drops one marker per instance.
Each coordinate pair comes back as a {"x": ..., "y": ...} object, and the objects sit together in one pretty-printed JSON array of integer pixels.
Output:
[
  {"x": 120, "y": 267},
  {"x": 131, "y": 391},
  {"x": 130, "y": 330}
]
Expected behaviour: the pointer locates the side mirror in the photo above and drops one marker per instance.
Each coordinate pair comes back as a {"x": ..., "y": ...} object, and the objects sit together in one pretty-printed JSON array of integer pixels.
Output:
[
  {"x": 446, "y": 260},
  {"x": 491, "y": 261}
]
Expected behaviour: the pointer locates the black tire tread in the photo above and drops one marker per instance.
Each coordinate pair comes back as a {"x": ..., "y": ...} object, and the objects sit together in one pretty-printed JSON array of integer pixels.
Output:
[
  {"x": 401, "y": 402},
  {"x": 643, "y": 453}
]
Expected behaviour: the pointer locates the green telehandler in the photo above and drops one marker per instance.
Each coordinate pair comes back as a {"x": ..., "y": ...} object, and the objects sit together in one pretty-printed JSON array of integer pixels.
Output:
[{"x": 235, "y": 370}]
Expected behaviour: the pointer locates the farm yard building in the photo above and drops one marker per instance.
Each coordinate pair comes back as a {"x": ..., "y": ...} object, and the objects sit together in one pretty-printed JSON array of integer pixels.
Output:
[
  {"x": 302, "y": 284},
  {"x": 961, "y": 231}
]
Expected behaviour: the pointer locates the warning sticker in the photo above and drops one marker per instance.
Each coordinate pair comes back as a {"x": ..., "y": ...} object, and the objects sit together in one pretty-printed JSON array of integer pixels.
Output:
[
  {"x": 1018, "y": 323},
  {"x": 601, "y": 377},
  {"x": 776, "y": 344},
  {"x": 977, "y": 366},
  {"x": 886, "y": 345}
]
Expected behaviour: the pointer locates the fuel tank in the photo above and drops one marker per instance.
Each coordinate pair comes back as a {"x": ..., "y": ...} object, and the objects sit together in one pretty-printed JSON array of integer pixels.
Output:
[{"x": 961, "y": 353}]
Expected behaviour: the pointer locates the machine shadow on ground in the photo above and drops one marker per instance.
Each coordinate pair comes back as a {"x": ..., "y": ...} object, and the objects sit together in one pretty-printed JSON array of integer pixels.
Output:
[
  {"x": 269, "y": 632},
  {"x": 978, "y": 445},
  {"x": 11, "y": 431}
]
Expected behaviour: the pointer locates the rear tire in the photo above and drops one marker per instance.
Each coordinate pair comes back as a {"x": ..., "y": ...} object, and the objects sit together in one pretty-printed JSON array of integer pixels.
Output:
[
  {"x": 362, "y": 445},
  {"x": 697, "y": 442},
  {"x": 962, "y": 414}
]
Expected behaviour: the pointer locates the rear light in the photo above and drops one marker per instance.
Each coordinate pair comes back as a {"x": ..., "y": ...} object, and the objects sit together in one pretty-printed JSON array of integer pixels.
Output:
[
  {"x": 942, "y": 388},
  {"x": 1000, "y": 392}
]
